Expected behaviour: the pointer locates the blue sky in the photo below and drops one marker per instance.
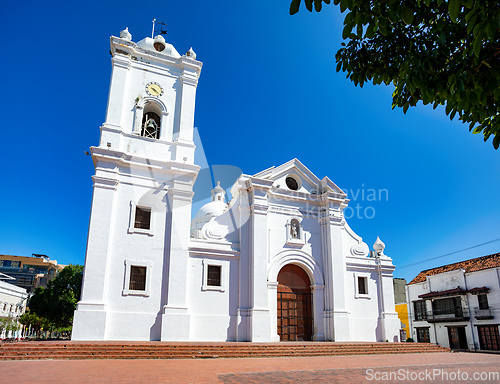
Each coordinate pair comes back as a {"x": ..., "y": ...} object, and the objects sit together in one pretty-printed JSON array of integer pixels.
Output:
[{"x": 268, "y": 93}]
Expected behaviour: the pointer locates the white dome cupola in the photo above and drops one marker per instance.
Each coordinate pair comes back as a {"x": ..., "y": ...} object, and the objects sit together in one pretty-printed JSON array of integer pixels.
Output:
[{"x": 210, "y": 210}]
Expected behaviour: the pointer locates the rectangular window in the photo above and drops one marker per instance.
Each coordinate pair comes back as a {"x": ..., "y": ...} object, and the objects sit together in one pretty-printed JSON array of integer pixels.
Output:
[
  {"x": 137, "y": 278},
  {"x": 423, "y": 335},
  {"x": 420, "y": 310},
  {"x": 214, "y": 275},
  {"x": 362, "y": 288},
  {"x": 448, "y": 306},
  {"x": 142, "y": 218},
  {"x": 483, "y": 301}
]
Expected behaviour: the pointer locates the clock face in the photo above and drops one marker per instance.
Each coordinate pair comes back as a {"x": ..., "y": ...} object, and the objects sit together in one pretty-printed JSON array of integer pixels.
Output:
[{"x": 154, "y": 89}]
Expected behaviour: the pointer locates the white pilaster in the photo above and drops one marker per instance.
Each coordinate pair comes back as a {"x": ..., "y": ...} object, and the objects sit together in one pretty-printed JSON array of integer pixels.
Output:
[
  {"x": 90, "y": 317},
  {"x": 261, "y": 321},
  {"x": 175, "y": 317},
  {"x": 117, "y": 89},
  {"x": 336, "y": 315}
]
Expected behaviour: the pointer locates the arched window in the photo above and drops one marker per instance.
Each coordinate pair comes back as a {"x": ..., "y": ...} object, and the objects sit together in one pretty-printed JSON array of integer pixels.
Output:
[{"x": 151, "y": 121}]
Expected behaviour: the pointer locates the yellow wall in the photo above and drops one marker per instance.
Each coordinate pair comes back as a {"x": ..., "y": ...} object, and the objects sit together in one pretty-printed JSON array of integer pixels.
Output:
[{"x": 402, "y": 310}]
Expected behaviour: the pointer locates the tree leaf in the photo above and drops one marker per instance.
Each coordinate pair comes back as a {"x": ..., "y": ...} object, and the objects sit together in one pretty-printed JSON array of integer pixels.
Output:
[
  {"x": 496, "y": 141},
  {"x": 472, "y": 97},
  {"x": 454, "y": 9},
  {"x": 317, "y": 5},
  {"x": 407, "y": 14},
  {"x": 294, "y": 7},
  {"x": 309, "y": 5},
  {"x": 343, "y": 5},
  {"x": 478, "y": 44},
  {"x": 346, "y": 31}
]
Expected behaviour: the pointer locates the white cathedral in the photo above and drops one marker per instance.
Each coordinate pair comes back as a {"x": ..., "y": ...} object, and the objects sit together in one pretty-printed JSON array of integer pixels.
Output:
[{"x": 278, "y": 262}]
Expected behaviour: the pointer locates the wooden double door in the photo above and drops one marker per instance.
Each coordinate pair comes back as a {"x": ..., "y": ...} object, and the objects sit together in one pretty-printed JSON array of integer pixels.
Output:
[
  {"x": 295, "y": 320},
  {"x": 489, "y": 338}
]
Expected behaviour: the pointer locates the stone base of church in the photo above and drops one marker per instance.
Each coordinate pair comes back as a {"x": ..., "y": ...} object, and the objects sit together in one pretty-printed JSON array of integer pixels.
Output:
[
  {"x": 89, "y": 322},
  {"x": 341, "y": 329},
  {"x": 260, "y": 325},
  {"x": 175, "y": 322},
  {"x": 390, "y": 324}
]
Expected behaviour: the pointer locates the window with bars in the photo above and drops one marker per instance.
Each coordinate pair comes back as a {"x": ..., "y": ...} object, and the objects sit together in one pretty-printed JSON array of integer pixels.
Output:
[
  {"x": 214, "y": 275},
  {"x": 362, "y": 286},
  {"x": 142, "y": 218},
  {"x": 483, "y": 301},
  {"x": 448, "y": 306},
  {"x": 137, "y": 278},
  {"x": 420, "y": 310},
  {"x": 423, "y": 335}
]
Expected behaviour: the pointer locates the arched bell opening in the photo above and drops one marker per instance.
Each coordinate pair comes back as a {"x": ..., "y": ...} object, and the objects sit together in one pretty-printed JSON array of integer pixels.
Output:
[
  {"x": 295, "y": 318},
  {"x": 151, "y": 121}
]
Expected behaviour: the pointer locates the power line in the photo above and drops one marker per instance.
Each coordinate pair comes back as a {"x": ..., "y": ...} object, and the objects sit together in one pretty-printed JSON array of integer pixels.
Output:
[{"x": 448, "y": 254}]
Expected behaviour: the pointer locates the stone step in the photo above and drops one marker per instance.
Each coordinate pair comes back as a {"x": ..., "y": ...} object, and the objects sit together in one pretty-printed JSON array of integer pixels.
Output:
[
  {"x": 205, "y": 350},
  {"x": 158, "y": 350},
  {"x": 248, "y": 347},
  {"x": 220, "y": 353}
]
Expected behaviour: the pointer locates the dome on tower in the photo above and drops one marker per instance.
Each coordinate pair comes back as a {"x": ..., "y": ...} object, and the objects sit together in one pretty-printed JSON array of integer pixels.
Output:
[
  {"x": 210, "y": 210},
  {"x": 216, "y": 207}
]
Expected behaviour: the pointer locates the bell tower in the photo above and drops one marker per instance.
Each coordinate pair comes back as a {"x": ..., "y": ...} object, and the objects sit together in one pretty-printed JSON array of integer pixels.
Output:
[
  {"x": 137, "y": 248},
  {"x": 151, "y": 99}
]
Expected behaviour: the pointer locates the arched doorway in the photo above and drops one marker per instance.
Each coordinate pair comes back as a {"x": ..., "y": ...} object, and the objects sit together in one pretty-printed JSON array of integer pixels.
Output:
[{"x": 294, "y": 304}]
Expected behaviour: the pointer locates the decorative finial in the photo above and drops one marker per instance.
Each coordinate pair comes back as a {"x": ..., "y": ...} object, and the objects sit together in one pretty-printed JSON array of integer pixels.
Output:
[
  {"x": 191, "y": 53},
  {"x": 379, "y": 246},
  {"x": 125, "y": 34}
]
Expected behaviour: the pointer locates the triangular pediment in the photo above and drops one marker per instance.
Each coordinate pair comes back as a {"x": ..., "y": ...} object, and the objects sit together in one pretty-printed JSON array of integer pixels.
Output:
[{"x": 308, "y": 181}]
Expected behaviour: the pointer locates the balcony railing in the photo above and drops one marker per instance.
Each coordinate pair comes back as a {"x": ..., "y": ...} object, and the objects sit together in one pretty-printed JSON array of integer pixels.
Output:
[
  {"x": 483, "y": 314},
  {"x": 446, "y": 315}
]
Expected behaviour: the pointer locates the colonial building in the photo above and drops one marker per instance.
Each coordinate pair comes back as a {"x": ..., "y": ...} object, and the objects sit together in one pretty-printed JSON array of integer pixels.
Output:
[
  {"x": 13, "y": 301},
  {"x": 458, "y": 305},
  {"x": 276, "y": 262}
]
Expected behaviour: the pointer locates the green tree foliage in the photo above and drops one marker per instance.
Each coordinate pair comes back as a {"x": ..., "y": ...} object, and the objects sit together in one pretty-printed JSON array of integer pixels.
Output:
[
  {"x": 440, "y": 52},
  {"x": 57, "y": 302}
]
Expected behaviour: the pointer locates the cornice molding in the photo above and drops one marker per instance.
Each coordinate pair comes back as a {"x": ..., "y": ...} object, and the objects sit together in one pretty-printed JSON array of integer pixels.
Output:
[{"x": 105, "y": 183}]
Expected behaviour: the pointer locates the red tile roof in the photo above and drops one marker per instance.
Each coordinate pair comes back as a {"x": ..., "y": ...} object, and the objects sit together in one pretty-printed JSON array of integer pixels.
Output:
[{"x": 472, "y": 265}]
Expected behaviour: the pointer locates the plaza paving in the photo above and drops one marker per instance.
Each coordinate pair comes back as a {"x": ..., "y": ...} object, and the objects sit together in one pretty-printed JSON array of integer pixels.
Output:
[{"x": 408, "y": 368}]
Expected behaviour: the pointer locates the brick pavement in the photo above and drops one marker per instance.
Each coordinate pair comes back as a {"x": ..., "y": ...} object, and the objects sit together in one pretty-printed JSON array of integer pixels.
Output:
[{"x": 337, "y": 369}]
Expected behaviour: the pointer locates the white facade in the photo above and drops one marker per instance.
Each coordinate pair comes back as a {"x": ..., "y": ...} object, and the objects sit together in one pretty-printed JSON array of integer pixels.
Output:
[
  {"x": 459, "y": 309},
  {"x": 12, "y": 305},
  {"x": 153, "y": 274}
]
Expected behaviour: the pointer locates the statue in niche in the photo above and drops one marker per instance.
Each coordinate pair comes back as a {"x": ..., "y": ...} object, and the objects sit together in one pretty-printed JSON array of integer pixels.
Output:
[{"x": 294, "y": 231}]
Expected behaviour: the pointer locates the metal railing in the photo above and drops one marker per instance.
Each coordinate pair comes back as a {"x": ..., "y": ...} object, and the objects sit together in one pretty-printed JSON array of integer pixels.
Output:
[
  {"x": 443, "y": 315},
  {"x": 482, "y": 314}
]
